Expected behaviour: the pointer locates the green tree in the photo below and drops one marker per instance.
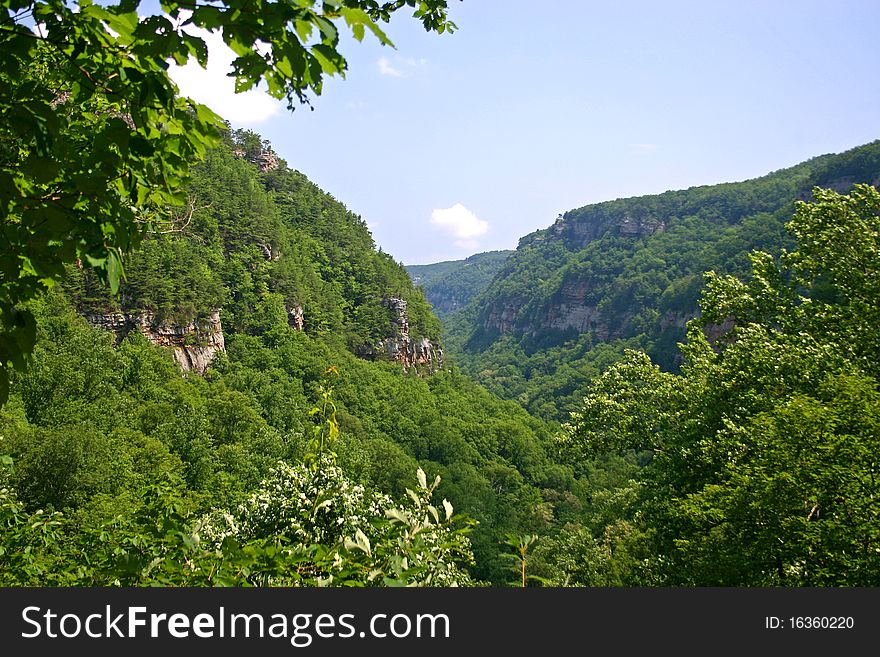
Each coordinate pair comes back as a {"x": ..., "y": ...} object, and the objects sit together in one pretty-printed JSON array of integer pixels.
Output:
[
  {"x": 764, "y": 468},
  {"x": 623, "y": 274},
  {"x": 518, "y": 553},
  {"x": 96, "y": 142}
]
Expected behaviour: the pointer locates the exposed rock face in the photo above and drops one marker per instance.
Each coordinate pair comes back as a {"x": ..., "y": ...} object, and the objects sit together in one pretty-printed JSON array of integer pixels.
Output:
[
  {"x": 718, "y": 334},
  {"x": 396, "y": 344},
  {"x": 675, "y": 319},
  {"x": 582, "y": 230},
  {"x": 639, "y": 227},
  {"x": 569, "y": 309},
  {"x": 425, "y": 352},
  {"x": 265, "y": 160},
  {"x": 842, "y": 185},
  {"x": 502, "y": 318},
  {"x": 400, "y": 346},
  {"x": 572, "y": 308},
  {"x": 194, "y": 345},
  {"x": 268, "y": 254},
  {"x": 295, "y": 317},
  {"x": 584, "y": 318}
]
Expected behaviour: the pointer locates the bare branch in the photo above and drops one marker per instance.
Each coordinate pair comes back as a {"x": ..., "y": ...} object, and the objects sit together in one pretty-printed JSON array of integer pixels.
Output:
[{"x": 178, "y": 223}]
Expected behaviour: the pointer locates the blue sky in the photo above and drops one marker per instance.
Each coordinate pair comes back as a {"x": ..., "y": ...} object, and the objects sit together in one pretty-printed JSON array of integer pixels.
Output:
[{"x": 454, "y": 144}]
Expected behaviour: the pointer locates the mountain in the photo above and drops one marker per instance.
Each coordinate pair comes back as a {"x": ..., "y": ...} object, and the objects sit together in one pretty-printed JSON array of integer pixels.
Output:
[
  {"x": 257, "y": 326},
  {"x": 261, "y": 242},
  {"x": 266, "y": 402},
  {"x": 451, "y": 285},
  {"x": 626, "y": 273}
]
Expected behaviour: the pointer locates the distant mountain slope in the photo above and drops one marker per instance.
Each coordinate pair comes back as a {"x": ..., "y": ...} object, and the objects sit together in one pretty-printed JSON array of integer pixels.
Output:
[
  {"x": 450, "y": 285},
  {"x": 626, "y": 273}
]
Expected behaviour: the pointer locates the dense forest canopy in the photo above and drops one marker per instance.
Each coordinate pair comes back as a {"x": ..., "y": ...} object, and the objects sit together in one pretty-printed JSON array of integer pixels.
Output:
[
  {"x": 96, "y": 143},
  {"x": 294, "y": 461},
  {"x": 94, "y": 428},
  {"x": 259, "y": 244},
  {"x": 765, "y": 447},
  {"x": 626, "y": 274},
  {"x": 450, "y": 285},
  {"x": 211, "y": 375}
]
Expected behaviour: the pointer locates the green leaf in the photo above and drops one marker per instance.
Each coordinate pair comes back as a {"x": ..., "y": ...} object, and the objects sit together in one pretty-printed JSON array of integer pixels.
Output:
[
  {"x": 362, "y": 541},
  {"x": 396, "y": 514},
  {"x": 357, "y": 19},
  {"x": 329, "y": 59},
  {"x": 433, "y": 511},
  {"x": 114, "y": 270}
]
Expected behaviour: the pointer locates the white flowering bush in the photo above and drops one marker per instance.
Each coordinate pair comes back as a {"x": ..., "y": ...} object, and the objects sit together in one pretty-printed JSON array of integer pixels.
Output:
[
  {"x": 310, "y": 524},
  {"x": 354, "y": 536},
  {"x": 304, "y": 505}
]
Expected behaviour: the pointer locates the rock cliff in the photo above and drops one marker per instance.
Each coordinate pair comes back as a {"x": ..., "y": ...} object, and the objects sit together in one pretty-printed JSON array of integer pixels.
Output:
[
  {"x": 194, "y": 344},
  {"x": 266, "y": 160},
  {"x": 400, "y": 346},
  {"x": 579, "y": 230},
  {"x": 295, "y": 317}
]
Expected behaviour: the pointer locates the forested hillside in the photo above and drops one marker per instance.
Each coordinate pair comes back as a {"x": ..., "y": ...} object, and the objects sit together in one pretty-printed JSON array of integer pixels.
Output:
[
  {"x": 279, "y": 293},
  {"x": 221, "y": 422},
  {"x": 626, "y": 274},
  {"x": 260, "y": 241},
  {"x": 450, "y": 285},
  {"x": 211, "y": 376},
  {"x": 763, "y": 450}
]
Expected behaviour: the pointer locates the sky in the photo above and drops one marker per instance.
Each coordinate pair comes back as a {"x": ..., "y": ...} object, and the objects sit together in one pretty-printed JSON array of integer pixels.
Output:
[{"x": 453, "y": 144}]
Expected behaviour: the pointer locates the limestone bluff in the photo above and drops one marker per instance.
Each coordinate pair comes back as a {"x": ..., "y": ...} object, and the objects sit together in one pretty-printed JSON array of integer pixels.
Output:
[{"x": 194, "y": 344}]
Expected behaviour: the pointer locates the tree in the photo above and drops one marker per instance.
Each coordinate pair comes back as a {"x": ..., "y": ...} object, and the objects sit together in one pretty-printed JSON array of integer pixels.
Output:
[
  {"x": 764, "y": 467},
  {"x": 518, "y": 547},
  {"x": 95, "y": 140}
]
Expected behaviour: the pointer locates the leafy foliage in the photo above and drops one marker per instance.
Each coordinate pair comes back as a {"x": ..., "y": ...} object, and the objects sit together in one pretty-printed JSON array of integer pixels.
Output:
[
  {"x": 450, "y": 285},
  {"x": 260, "y": 245},
  {"x": 96, "y": 144},
  {"x": 764, "y": 449},
  {"x": 626, "y": 274},
  {"x": 134, "y": 514},
  {"x": 92, "y": 426}
]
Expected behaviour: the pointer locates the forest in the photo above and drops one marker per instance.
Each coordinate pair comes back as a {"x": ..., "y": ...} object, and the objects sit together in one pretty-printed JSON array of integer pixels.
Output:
[
  {"x": 754, "y": 464},
  {"x": 626, "y": 274},
  {"x": 93, "y": 427},
  {"x": 450, "y": 285},
  {"x": 210, "y": 374}
]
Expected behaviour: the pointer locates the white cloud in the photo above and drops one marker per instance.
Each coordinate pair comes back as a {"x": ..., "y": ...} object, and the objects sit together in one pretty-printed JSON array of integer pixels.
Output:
[
  {"x": 385, "y": 68},
  {"x": 402, "y": 67},
  {"x": 460, "y": 223},
  {"x": 644, "y": 148},
  {"x": 212, "y": 87}
]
